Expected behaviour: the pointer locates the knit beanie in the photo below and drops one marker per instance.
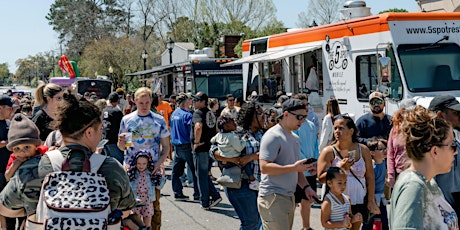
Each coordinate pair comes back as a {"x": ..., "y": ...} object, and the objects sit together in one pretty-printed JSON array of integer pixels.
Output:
[{"x": 22, "y": 131}]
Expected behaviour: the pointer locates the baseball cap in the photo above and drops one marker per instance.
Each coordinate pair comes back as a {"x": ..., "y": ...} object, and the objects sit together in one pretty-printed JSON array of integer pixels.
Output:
[
  {"x": 182, "y": 97},
  {"x": 291, "y": 104},
  {"x": 407, "y": 103},
  {"x": 200, "y": 96},
  {"x": 442, "y": 102},
  {"x": 376, "y": 94},
  {"x": 5, "y": 100}
]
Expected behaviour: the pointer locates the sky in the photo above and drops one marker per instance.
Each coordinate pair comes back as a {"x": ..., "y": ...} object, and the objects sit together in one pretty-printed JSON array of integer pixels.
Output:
[{"x": 26, "y": 30}]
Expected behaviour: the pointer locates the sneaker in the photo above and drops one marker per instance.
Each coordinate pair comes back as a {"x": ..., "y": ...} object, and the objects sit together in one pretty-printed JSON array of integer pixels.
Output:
[
  {"x": 254, "y": 185},
  {"x": 206, "y": 208},
  {"x": 215, "y": 202},
  {"x": 180, "y": 197},
  {"x": 196, "y": 199}
]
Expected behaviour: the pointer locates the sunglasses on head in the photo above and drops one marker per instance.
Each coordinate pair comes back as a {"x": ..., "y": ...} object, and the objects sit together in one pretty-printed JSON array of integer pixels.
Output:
[
  {"x": 376, "y": 102},
  {"x": 346, "y": 115},
  {"x": 452, "y": 145},
  {"x": 298, "y": 116}
]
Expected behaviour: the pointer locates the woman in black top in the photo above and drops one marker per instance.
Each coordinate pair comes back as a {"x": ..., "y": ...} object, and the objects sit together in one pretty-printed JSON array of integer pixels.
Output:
[{"x": 47, "y": 96}]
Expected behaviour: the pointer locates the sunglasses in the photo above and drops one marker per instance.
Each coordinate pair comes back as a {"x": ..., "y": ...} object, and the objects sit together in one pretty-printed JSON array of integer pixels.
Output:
[
  {"x": 383, "y": 150},
  {"x": 298, "y": 116},
  {"x": 343, "y": 115},
  {"x": 376, "y": 102},
  {"x": 452, "y": 145}
]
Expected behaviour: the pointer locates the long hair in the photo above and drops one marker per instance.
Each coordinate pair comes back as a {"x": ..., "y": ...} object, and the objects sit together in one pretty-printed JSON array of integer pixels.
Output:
[
  {"x": 247, "y": 113},
  {"x": 332, "y": 107},
  {"x": 46, "y": 90}
]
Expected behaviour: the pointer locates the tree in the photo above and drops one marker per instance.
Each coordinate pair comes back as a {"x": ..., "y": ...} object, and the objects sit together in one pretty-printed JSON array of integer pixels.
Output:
[
  {"x": 321, "y": 11},
  {"x": 40, "y": 66},
  {"x": 4, "y": 71},
  {"x": 83, "y": 21},
  {"x": 396, "y": 10},
  {"x": 122, "y": 54}
]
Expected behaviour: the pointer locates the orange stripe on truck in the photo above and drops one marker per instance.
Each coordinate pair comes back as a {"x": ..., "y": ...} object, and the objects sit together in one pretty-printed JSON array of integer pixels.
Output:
[{"x": 359, "y": 26}]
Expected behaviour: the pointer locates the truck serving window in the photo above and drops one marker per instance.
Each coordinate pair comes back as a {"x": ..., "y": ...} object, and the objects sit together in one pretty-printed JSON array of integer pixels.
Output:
[{"x": 430, "y": 67}]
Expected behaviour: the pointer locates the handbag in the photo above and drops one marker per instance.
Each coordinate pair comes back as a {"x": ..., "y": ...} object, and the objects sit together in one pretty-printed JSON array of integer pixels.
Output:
[{"x": 231, "y": 177}]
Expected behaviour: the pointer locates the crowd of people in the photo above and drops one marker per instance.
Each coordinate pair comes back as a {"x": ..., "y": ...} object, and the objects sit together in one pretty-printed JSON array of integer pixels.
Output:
[{"x": 279, "y": 155}]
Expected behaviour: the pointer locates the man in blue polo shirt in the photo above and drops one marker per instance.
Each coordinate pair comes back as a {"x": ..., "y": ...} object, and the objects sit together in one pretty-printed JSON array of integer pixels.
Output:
[{"x": 181, "y": 126}]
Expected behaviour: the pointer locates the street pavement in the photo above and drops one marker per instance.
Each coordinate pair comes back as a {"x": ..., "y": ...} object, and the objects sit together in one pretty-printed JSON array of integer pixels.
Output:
[{"x": 178, "y": 215}]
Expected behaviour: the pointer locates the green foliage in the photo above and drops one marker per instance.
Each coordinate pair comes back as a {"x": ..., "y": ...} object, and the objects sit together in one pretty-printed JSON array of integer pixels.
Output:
[
  {"x": 4, "y": 71},
  {"x": 396, "y": 10},
  {"x": 82, "y": 21}
]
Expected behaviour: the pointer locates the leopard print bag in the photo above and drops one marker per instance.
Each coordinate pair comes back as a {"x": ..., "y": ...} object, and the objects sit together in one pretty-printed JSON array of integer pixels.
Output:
[{"x": 73, "y": 200}]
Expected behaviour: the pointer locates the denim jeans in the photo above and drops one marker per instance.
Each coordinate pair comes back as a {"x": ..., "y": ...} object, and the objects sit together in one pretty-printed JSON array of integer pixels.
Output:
[
  {"x": 113, "y": 151},
  {"x": 205, "y": 184},
  {"x": 244, "y": 201},
  {"x": 183, "y": 154}
]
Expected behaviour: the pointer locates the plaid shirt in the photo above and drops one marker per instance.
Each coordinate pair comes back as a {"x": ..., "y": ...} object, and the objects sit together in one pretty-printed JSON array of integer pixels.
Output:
[{"x": 252, "y": 147}]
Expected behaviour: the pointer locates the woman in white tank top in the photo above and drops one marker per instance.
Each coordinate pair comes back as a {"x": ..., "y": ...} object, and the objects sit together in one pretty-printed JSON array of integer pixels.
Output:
[{"x": 360, "y": 173}]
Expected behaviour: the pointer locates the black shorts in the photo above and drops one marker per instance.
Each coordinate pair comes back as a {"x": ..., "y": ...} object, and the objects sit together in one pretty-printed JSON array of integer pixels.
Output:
[
  {"x": 361, "y": 208},
  {"x": 299, "y": 194}
]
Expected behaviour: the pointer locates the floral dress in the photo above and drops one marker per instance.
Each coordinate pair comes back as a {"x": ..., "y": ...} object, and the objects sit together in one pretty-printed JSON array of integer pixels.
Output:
[{"x": 142, "y": 193}]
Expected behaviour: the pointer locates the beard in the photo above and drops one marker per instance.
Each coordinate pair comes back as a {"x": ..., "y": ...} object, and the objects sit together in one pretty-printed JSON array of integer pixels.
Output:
[{"x": 376, "y": 110}]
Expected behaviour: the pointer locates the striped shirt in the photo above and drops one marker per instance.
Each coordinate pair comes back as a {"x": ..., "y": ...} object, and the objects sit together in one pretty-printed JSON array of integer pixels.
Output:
[{"x": 338, "y": 210}]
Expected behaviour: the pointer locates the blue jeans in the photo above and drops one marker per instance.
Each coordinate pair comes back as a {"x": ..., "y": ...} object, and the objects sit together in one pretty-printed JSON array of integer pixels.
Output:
[
  {"x": 205, "y": 184},
  {"x": 183, "y": 154},
  {"x": 244, "y": 201},
  {"x": 113, "y": 151}
]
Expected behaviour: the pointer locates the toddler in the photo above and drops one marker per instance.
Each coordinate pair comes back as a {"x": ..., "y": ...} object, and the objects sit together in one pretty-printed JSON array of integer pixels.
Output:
[
  {"x": 378, "y": 149},
  {"x": 336, "y": 209},
  {"x": 24, "y": 141},
  {"x": 143, "y": 184},
  {"x": 230, "y": 145}
]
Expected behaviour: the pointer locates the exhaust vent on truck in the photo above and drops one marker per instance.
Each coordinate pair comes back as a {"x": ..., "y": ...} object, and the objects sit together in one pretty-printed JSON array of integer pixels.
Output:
[{"x": 354, "y": 9}]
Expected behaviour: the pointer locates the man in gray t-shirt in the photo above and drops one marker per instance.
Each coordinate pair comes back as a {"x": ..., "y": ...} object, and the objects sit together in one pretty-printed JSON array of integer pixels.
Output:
[{"x": 281, "y": 168}]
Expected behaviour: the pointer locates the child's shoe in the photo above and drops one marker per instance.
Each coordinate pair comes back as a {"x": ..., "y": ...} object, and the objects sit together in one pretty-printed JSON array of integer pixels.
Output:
[{"x": 254, "y": 185}]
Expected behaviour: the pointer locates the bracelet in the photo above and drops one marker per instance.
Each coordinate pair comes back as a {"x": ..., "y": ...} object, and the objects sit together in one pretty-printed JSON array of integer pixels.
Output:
[
  {"x": 305, "y": 187},
  {"x": 196, "y": 143}
]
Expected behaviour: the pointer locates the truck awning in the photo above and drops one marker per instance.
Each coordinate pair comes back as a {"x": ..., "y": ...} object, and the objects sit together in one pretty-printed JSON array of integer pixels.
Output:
[
  {"x": 157, "y": 69},
  {"x": 248, "y": 59},
  {"x": 272, "y": 56}
]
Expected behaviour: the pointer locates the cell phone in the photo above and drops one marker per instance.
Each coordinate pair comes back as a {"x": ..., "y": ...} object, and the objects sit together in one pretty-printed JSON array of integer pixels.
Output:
[
  {"x": 310, "y": 160},
  {"x": 102, "y": 143},
  {"x": 351, "y": 155}
]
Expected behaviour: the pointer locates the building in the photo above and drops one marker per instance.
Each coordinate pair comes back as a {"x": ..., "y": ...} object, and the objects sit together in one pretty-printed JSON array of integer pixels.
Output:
[{"x": 439, "y": 5}]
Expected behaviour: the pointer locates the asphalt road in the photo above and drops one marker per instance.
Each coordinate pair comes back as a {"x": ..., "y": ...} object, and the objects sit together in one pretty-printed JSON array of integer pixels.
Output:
[{"x": 178, "y": 215}]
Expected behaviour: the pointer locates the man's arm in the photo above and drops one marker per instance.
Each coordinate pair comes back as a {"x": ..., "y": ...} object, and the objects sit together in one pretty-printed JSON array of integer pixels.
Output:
[
  {"x": 197, "y": 130},
  {"x": 271, "y": 168},
  {"x": 164, "y": 142}
]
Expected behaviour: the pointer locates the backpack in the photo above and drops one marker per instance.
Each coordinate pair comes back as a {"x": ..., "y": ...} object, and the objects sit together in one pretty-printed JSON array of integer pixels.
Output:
[{"x": 73, "y": 200}]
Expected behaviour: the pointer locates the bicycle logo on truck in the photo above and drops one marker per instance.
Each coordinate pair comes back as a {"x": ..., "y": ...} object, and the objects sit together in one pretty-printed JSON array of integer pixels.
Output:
[{"x": 338, "y": 56}]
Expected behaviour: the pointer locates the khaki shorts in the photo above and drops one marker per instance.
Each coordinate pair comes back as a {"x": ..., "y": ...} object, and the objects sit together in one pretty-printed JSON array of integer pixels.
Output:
[{"x": 276, "y": 211}]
